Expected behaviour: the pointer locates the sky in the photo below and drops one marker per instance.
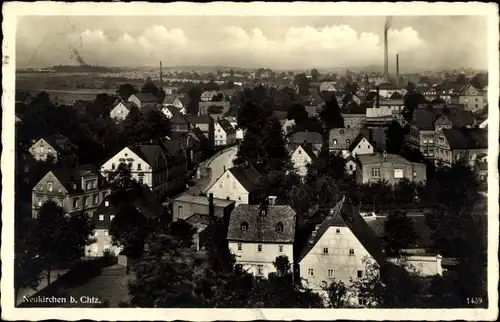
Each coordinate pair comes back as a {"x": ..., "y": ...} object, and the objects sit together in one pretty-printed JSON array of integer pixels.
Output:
[{"x": 280, "y": 43}]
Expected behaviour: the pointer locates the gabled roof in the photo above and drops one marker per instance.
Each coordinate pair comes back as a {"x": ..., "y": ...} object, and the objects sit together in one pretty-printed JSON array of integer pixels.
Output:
[
  {"x": 173, "y": 148},
  {"x": 128, "y": 105},
  {"x": 464, "y": 139},
  {"x": 247, "y": 176},
  {"x": 357, "y": 140},
  {"x": 60, "y": 142},
  {"x": 341, "y": 135},
  {"x": 184, "y": 100},
  {"x": 262, "y": 227},
  {"x": 424, "y": 117},
  {"x": 199, "y": 119},
  {"x": 173, "y": 110},
  {"x": 146, "y": 97},
  {"x": 68, "y": 176},
  {"x": 307, "y": 137},
  {"x": 226, "y": 126},
  {"x": 308, "y": 148},
  {"x": 147, "y": 152},
  {"x": 378, "y": 158}
]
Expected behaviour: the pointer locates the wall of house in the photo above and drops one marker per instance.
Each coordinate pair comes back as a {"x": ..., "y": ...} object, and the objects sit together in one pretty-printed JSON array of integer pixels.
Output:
[
  {"x": 412, "y": 171},
  {"x": 220, "y": 135},
  {"x": 227, "y": 187},
  {"x": 300, "y": 160},
  {"x": 363, "y": 147},
  {"x": 250, "y": 258},
  {"x": 426, "y": 265},
  {"x": 135, "y": 100},
  {"x": 41, "y": 150},
  {"x": 354, "y": 121},
  {"x": 119, "y": 113},
  {"x": 343, "y": 264},
  {"x": 350, "y": 166},
  {"x": 139, "y": 166},
  {"x": 383, "y": 110},
  {"x": 103, "y": 241},
  {"x": 183, "y": 210}
]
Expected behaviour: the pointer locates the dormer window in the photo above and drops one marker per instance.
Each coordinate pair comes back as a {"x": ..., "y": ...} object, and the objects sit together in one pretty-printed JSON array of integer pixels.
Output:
[
  {"x": 279, "y": 227},
  {"x": 244, "y": 226}
]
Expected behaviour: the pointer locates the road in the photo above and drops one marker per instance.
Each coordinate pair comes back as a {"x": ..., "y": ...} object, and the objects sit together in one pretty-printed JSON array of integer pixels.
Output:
[{"x": 219, "y": 163}]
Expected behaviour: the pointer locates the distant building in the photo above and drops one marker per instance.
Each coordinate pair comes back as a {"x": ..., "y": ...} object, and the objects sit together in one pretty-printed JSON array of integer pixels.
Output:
[
  {"x": 455, "y": 144},
  {"x": 80, "y": 189},
  {"x": 340, "y": 139},
  {"x": 237, "y": 184},
  {"x": 211, "y": 108},
  {"x": 360, "y": 146},
  {"x": 387, "y": 90},
  {"x": 257, "y": 235},
  {"x": 120, "y": 111},
  {"x": 57, "y": 146},
  {"x": 328, "y": 87},
  {"x": 144, "y": 101},
  {"x": 207, "y": 96},
  {"x": 355, "y": 116},
  {"x": 388, "y": 167},
  {"x": 301, "y": 156},
  {"x": 206, "y": 124},
  {"x": 313, "y": 138},
  {"x": 225, "y": 134},
  {"x": 474, "y": 99}
]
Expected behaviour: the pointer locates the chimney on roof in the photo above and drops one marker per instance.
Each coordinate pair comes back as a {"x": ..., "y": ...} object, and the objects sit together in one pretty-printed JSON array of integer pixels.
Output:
[
  {"x": 211, "y": 208},
  {"x": 271, "y": 200}
]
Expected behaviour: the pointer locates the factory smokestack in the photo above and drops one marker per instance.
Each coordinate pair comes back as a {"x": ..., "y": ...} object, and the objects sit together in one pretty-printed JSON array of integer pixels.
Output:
[
  {"x": 161, "y": 76},
  {"x": 397, "y": 70},
  {"x": 386, "y": 49}
]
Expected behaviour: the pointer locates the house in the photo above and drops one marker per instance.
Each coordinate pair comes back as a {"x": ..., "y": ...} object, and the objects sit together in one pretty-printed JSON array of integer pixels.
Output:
[
  {"x": 385, "y": 108},
  {"x": 57, "y": 146},
  {"x": 327, "y": 87},
  {"x": 80, "y": 189},
  {"x": 473, "y": 98},
  {"x": 338, "y": 249},
  {"x": 207, "y": 96},
  {"x": 340, "y": 139},
  {"x": 214, "y": 108},
  {"x": 388, "y": 167},
  {"x": 360, "y": 146},
  {"x": 354, "y": 116},
  {"x": 259, "y": 234},
  {"x": 455, "y": 144},
  {"x": 237, "y": 184},
  {"x": 206, "y": 124},
  {"x": 144, "y": 101},
  {"x": 202, "y": 234},
  {"x": 448, "y": 92},
  {"x": 170, "y": 111},
  {"x": 120, "y": 111},
  {"x": 186, "y": 205},
  {"x": 313, "y": 138},
  {"x": 481, "y": 167},
  {"x": 178, "y": 101},
  {"x": 350, "y": 164},
  {"x": 428, "y": 122},
  {"x": 225, "y": 134},
  {"x": 145, "y": 202},
  {"x": 301, "y": 156},
  {"x": 179, "y": 123},
  {"x": 177, "y": 165},
  {"x": 387, "y": 89},
  {"x": 194, "y": 145}
]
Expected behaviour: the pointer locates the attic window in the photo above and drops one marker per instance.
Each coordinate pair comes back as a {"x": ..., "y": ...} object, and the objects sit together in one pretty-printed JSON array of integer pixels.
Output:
[
  {"x": 341, "y": 132},
  {"x": 279, "y": 227},
  {"x": 335, "y": 142},
  {"x": 347, "y": 141},
  {"x": 244, "y": 226}
]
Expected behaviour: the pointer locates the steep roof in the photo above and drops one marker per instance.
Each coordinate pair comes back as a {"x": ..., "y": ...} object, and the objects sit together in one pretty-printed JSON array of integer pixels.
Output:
[
  {"x": 467, "y": 138},
  {"x": 173, "y": 110},
  {"x": 425, "y": 117},
  {"x": 146, "y": 97},
  {"x": 147, "y": 152},
  {"x": 69, "y": 176},
  {"x": 199, "y": 119},
  {"x": 199, "y": 222},
  {"x": 262, "y": 228},
  {"x": 60, "y": 142},
  {"x": 357, "y": 140},
  {"x": 184, "y": 100},
  {"x": 226, "y": 126},
  {"x": 354, "y": 109},
  {"x": 248, "y": 177},
  {"x": 307, "y": 137},
  {"x": 341, "y": 135},
  {"x": 200, "y": 200},
  {"x": 173, "y": 148}
]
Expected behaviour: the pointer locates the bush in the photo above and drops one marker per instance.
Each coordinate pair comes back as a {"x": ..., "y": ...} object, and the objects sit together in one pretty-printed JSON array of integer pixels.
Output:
[{"x": 109, "y": 257}]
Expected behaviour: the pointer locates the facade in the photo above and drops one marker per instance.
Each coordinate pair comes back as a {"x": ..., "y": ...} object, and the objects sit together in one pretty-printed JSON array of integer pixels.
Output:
[
  {"x": 341, "y": 139},
  {"x": 80, "y": 189},
  {"x": 259, "y": 234},
  {"x": 121, "y": 110},
  {"x": 360, "y": 146},
  {"x": 237, "y": 184},
  {"x": 145, "y": 202},
  {"x": 57, "y": 147},
  {"x": 301, "y": 156},
  {"x": 313, "y": 138},
  {"x": 388, "y": 167},
  {"x": 327, "y": 87},
  {"x": 455, "y": 144},
  {"x": 186, "y": 205},
  {"x": 386, "y": 108},
  {"x": 386, "y": 90},
  {"x": 207, "y": 96},
  {"x": 473, "y": 98},
  {"x": 354, "y": 116},
  {"x": 179, "y": 123},
  {"x": 225, "y": 134},
  {"x": 206, "y": 124},
  {"x": 144, "y": 101}
]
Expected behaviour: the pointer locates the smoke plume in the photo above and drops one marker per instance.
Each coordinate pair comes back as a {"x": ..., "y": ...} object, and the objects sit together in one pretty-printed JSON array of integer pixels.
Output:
[{"x": 76, "y": 55}]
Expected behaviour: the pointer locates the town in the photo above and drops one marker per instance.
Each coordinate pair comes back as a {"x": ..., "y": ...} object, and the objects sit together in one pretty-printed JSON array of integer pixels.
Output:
[{"x": 251, "y": 189}]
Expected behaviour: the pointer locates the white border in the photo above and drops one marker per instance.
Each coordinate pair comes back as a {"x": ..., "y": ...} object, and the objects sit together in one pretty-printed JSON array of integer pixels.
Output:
[{"x": 12, "y": 10}]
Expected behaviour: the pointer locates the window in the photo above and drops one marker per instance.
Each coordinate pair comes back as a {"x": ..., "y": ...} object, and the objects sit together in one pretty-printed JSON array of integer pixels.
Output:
[
  {"x": 141, "y": 180},
  {"x": 113, "y": 166},
  {"x": 330, "y": 272},
  {"x": 101, "y": 217},
  {"x": 41, "y": 188},
  {"x": 49, "y": 186},
  {"x": 239, "y": 246},
  {"x": 106, "y": 233},
  {"x": 351, "y": 252},
  {"x": 227, "y": 198},
  {"x": 362, "y": 301},
  {"x": 139, "y": 166},
  {"x": 49, "y": 150},
  {"x": 41, "y": 149},
  {"x": 39, "y": 203},
  {"x": 335, "y": 142},
  {"x": 111, "y": 217},
  {"x": 221, "y": 184},
  {"x": 280, "y": 248},
  {"x": 376, "y": 172},
  {"x": 75, "y": 203},
  {"x": 337, "y": 231},
  {"x": 350, "y": 167},
  {"x": 347, "y": 141},
  {"x": 96, "y": 199},
  {"x": 85, "y": 201},
  {"x": 106, "y": 203},
  {"x": 260, "y": 270},
  {"x": 300, "y": 151},
  {"x": 398, "y": 173},
  {"x": 239, "y": 198},
  {"x": 431, "y": 141},
  {"x": 325, "y": 250},
  {"x": 414, "y": 174},
  {"x": 341, "y": 132},
  {"x": 244, "y": 226},
  {"x": 259, "y": 248},
  {"x": 180, "y": 210},
  {"x": 310, "y": 272},
  {"x": 425, "y": 141},
  {"x": 279, "y": 227},
  {"x": 360, "y": 273}
]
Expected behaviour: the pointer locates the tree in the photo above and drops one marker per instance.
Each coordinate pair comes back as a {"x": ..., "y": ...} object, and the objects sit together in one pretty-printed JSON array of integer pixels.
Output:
[
  {"x": 298, "y": 113},
  {"x": 399, "y": 233},
  {"x": 461, "y": 79},
  {"x": 351, "y": 88},
  {"x": 395, "y": 137},
  {"x": 411, "y": 101},
  {"x": 302, "y": 82},
  {"x": 315, "y": 75},
  {"x": 406, "y": 192},
  {"x": 331, "y": 114},
  {"x": 337, "y": 294},
  {"x": 27, "y": 265},
  {"x": 479, "y": 80},
  {"x": 142, "y": 128},
  {"x": 126, "y": 90}
]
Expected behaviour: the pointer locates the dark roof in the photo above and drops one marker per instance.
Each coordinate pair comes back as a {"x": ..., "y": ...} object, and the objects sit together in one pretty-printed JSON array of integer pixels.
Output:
[
  {"x": 199, "y": 222},
  {"x": 173, "y": 110},
  {"x": 387, "y": 86},
  {"x": 248, "y": 177},
  {"x": 146, "y": 97},
  {"x": 467, "y": 138},
  {"x": 199, "y": 119},
  {"x": 341, "y": 135},
  {"x": 425, "y": 117},
  {"x": 60, "y": 142},
  {"x": 354, "y": 108},
  {"x": 173, "y": 148},
  {"x": 226, "y": 126},
  {"x": 69, "y": 176},
  {"x": 262, "y": 228},
  {"x": 307, "y": 137},
  {"x": 424, "y": 234},
  {"x": 179, "y": 119},
  {"x": 147, "y": 152},
  {"x": 309, "y": 149},
  {"x": 184, "y": 100}
]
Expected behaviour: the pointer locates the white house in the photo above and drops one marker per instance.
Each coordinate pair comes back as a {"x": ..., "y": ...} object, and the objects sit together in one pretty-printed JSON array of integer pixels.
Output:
[
  {"x": 224, "y": 133},
  {"x": 257, "y": 235},
  {"x": 207, "y": 96},
  {"x": 170, "y": 111},
  {"x": 338, "y": 248},
  {"x": 121, "y": 110},
  {"x": 350, "y": 164},
  {"x": 386, "y": 90},
  {"x": 360, "y": 146},
  {"x": 236, "y": 183},
  {"x": 303, "y": 155}
]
